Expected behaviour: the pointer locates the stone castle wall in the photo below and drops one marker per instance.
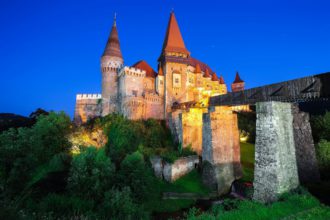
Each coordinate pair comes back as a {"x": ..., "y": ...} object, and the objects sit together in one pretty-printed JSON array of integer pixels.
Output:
[{"x": 87, "y": 106}]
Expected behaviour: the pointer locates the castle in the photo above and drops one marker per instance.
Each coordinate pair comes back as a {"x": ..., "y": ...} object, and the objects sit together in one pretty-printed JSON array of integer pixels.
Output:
[{"x": 139, "y": 92}]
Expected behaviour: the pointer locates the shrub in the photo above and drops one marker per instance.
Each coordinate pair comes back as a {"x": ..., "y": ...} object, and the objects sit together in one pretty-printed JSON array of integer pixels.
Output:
[
  {"x": 321, "y": 127},
  {"x": 62, "y": 205},
  {"x": 323, "y": 156},
  {"x": 91, "y": 174},
  {"x": 247, "y": 124},
  {"x": 135, "y": 174},
  {"x": 119, "y": 205},
  {"x": 24, "y": 150}
]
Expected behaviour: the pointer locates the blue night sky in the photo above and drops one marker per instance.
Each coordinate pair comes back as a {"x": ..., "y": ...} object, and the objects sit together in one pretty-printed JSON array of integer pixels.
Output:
[{"x": 50, "y": 50}]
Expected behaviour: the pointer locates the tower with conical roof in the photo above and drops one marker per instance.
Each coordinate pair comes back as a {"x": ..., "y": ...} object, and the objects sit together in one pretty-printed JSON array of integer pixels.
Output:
[
  {"x": 238, "y": 84},
  {"x": 111, "y": 62},
  {"x": 173, "y": 63}
]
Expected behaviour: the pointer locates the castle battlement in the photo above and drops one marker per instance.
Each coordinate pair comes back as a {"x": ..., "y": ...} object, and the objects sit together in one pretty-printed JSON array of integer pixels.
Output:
[
  {"x": 132, "y": 71},
  {"x": 88, "y": 96}
]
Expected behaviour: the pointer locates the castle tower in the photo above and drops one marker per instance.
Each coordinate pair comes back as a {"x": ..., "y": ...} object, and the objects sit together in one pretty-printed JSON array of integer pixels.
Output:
[
  {"x": 223, "y": 87},
  {"x": 111, "y": 62},
  {"x": 173, "y": 62},
  {"x": 238, "y": 84},
  {"x": 160, "y": 82}
]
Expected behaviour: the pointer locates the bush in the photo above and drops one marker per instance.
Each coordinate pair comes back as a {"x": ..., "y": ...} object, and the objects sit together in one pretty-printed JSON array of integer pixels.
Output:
[
  {"x": 323, "y": 156},
  {"x": 62, "y": 205},
  {"x": 321, "y": 127},
  {"x": 247, "y": 125},
  {"x": 24, "y": 150},
  {"x": 91, "y": 174},
  {"x": 119, "y": 205},
  {"x": 135, "y": 174}
]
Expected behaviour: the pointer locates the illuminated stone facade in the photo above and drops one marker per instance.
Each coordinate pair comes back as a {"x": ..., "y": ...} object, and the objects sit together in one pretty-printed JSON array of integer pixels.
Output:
[{"x": 139, "y": 92}]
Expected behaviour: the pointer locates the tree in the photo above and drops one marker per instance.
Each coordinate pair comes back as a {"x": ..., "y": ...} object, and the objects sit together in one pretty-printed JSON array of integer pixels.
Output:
[
  {"x": 91, "y": 174},
  {"x": 24, "y": 150},
  {"x": 135, "y": 174}
]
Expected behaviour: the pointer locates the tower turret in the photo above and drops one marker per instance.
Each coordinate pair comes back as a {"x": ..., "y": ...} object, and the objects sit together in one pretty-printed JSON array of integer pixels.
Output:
[
  {"x": 238, "y": 84},
  {"x": 111, "y": 62}
]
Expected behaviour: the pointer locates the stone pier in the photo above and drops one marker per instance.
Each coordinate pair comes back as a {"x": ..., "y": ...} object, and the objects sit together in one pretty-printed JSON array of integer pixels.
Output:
[
  {"x": 186, "y": 127},
  {"x": 308, "y": 170},
  {"x": 221, "y": 150},
  {"x": 275, "y": 169}
]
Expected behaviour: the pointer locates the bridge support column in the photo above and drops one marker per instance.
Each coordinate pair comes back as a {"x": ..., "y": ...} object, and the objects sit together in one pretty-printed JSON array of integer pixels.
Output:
[
  {"x": 221, "y": 149},
  {"x": 308, "y": 170},
  {"x": 192, "y": 121},
  {"x": 186, "y": 127},
  {"x": 275, "y": 169}
]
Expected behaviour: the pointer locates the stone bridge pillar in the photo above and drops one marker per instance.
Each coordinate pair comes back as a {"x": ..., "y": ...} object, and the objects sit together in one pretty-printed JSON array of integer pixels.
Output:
[
  {"x": 221, "y": 149},
  {"x": 308, "y": 170},
  {"x": 186, "y": 127},
  {"x": 275, "y": 170}
]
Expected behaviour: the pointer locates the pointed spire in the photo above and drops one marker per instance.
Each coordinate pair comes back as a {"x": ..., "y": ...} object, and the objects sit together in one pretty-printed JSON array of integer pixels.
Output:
[
  {"x": 160, "y": 71},
  {"x": 198, "y": 68},
  {"x": 207, "y": 74},
  {"x": 115, "y": 19},
  {"x": 214, "y": 77},
  {"x": 238, "y": 78},
  {"x": 173, "y": 39},
  {"x": 221, "y": 80},
  {"x": 113, "y": 46}
]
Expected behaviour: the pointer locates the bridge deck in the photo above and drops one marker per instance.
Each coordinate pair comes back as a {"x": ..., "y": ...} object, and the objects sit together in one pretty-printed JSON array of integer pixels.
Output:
[{"x": 316, "y": 87}]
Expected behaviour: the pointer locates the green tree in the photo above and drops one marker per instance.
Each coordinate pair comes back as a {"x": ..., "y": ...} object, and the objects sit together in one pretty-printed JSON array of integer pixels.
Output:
[
  {"x": 119, "y": 205},
  {"x": 91, "y": 174},
  {"x": 321, "y": 127},
  {"x": 24, "y": 150},
  {"x": 135, "y": 174}
]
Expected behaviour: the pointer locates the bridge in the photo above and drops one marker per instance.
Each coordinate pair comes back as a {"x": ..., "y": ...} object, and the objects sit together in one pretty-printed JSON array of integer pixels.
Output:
[{"x": 284, "y": 149}]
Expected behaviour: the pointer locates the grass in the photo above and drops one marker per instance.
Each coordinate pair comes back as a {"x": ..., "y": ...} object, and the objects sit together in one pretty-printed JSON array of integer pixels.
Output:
[
  {"x": 189, "y": 183},
  {"x": 247, "y": 160},
  {"x": 297, "y": 206}
]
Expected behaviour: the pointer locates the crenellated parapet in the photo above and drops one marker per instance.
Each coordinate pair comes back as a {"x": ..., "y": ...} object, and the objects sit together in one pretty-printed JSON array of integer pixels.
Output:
[
  {"x": 88, "y": 106},
  {"x": 132, "y": 71},
  {"x": 88, "y": 96}
]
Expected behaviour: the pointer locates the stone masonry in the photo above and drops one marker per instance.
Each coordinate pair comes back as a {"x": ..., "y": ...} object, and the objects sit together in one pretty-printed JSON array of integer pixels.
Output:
[
  {"x": 173, "y": 171},
  {"x": 275, "y": 169},
  {"x": 221, "y": 150},
  {"x": 305, "y": 151}
]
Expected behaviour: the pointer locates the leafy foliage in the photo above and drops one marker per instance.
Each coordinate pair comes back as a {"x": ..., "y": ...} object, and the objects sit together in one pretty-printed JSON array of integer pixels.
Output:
[
  {"x": 135, "y": 174},
  {"x": 119, "y": 205},
  {"x": 24, "y": 150},
  {"x": 91, "y": 174},
  {"x": 321, "y": 127},
  {"x": 247, "y": 125}
]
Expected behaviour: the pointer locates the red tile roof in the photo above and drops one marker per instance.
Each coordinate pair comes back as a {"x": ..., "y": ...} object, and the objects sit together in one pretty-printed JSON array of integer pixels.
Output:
[
  {"x": 173, "y": 39},
  {"x": 143, "y": 65},
  {"x": 207, "y": 74},
  {"x": 112, "y": 47},
  {"x": 214, "y": 77},
  {"x": 221, "y": 80},
  {"x": 238, "y": 78},
  {"x": 198, "y": 68}
]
